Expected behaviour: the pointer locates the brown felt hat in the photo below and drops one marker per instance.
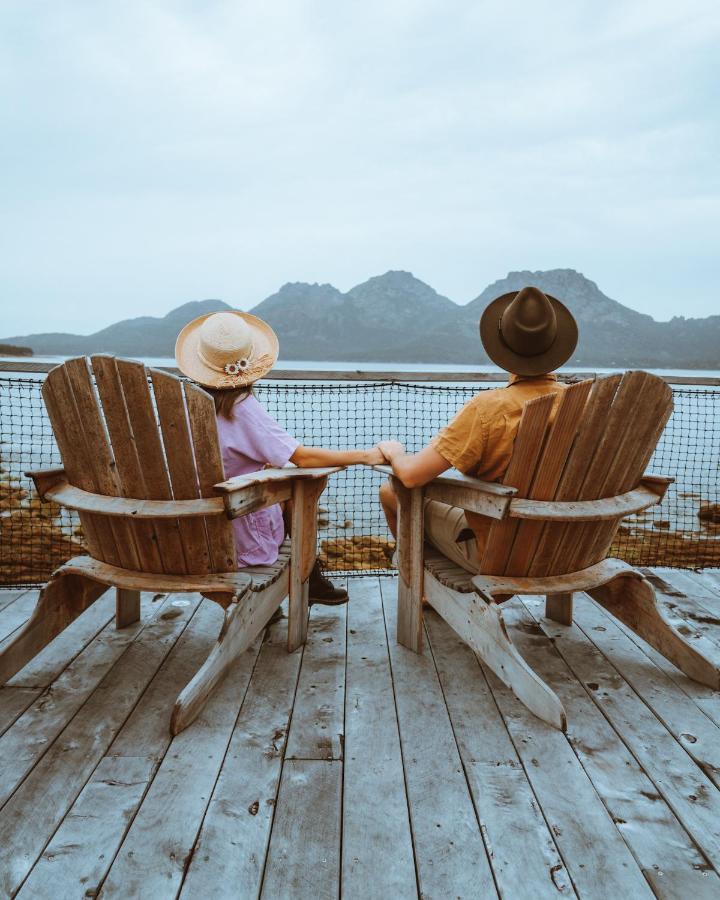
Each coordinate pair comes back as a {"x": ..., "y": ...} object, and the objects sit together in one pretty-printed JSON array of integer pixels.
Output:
[{"x": 528, "y": 332}]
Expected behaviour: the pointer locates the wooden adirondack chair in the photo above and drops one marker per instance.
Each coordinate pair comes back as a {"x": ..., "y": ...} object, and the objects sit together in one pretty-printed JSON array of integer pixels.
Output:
[
  {"x": 576, "y": 470},
  {"x": 142, "y": 467}
]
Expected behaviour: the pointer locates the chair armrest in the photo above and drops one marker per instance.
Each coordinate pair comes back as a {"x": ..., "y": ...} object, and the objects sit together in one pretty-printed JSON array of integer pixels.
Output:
[
  {"x": 52, "y": 485},
  {"x": 256, "y": 490},
  {"x": 486, "y": 498},
  {"x": 263, "y": 476},
  {"x": 45, "y": 479},
  {"x": 650, "y": 491}
]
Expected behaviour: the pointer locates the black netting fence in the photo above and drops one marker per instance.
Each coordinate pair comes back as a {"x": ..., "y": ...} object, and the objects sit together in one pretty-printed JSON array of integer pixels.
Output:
[{"x": 684, "y": 531}]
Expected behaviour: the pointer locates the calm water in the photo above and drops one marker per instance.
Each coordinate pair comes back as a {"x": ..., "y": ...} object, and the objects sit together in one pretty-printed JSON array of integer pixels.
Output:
[{"x": 314, "y": 365}]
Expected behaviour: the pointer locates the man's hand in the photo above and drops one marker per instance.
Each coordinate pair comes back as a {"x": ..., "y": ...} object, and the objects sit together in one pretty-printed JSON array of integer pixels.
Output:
[
  {"x": 373, "y": 457},
  {"x": 390, "y": 449},
  {"x": 413, "y": 469}
]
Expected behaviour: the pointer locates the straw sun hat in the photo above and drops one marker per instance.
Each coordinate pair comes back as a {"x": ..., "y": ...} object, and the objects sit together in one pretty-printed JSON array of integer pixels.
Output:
[{"x": 226, "y": 349}]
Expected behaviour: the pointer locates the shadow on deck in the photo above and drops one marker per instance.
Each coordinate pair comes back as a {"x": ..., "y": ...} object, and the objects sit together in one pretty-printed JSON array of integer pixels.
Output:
[{"x": 355, "y": 767}]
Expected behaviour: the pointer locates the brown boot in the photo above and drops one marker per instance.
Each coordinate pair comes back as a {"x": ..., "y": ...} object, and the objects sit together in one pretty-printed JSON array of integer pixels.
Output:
[{"x": 323, "y": 591}]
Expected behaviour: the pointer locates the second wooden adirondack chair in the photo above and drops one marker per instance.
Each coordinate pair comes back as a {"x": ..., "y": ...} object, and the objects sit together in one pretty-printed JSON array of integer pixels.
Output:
[
  {"x": 142, "y": 467},
  {"x": 576, "y": 471}
]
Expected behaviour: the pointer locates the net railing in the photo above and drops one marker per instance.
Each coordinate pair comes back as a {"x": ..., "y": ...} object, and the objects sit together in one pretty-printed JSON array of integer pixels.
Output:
[{"x": 682, "y": 532}]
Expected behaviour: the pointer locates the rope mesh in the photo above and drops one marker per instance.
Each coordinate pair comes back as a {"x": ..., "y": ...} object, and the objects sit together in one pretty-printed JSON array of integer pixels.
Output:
[{"x": 683, "y": 531}]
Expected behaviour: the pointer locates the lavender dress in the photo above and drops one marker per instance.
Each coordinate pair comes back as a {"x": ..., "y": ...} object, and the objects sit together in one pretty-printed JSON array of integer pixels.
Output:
[{"x": 249, "y": 441}]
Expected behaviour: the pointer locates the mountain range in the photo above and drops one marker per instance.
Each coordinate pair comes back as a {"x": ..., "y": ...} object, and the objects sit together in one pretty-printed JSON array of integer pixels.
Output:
[{"x": 397, "y": 318}]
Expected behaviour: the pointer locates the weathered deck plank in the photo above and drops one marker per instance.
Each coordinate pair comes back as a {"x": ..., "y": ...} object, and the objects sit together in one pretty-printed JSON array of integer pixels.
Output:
[
  {"x": 157, "y": 848},
  {"x": 240, "y": 815},
  {"x": 450, "y": 854},
  {"x": 438, "y": 779},
  {"x": 698, "y": 734},
  {"x": 304, "y": 854},
  {"x": 670, "y": 862},
  {"x": 506, "y": 805},
  {"x": 377, "y": 843},
  {"x": 129, "y": 765},
  {"x": 316, "y": 731},
  {"x": 22, "y": 745},
  {"x": 8, "y": 597},
  {"x": 688, "y": 791},
  {"x": 597, "y": 859},
  {"x": 16, "y": 614},
  {"x": 55, "y": 782}
]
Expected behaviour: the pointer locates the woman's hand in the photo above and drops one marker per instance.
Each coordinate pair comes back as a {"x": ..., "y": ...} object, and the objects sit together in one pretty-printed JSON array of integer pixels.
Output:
[{"x": 390, "y": 449}]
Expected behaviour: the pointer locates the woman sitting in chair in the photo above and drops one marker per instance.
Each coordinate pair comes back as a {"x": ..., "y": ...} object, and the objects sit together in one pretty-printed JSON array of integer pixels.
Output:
[{"x": 226, "y": 353}]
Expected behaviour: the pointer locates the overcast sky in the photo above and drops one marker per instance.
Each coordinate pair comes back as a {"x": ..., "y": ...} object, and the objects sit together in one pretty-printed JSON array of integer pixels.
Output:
[{"x": 159, "y": 152}]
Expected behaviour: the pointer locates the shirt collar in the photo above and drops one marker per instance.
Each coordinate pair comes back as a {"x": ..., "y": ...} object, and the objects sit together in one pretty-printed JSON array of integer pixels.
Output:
[{"x": 549, "y": 376}]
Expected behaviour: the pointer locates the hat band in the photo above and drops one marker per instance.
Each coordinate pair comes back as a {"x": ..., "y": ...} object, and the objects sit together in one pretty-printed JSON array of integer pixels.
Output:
[
  {"x": 518, "y": 352},
  {"x": 236, "y": 374},
  {"x": 229, "y": 368}
]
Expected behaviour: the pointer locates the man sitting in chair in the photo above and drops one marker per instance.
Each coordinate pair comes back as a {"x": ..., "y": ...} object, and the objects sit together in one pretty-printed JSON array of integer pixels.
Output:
[{"x": 529, "y": 334}]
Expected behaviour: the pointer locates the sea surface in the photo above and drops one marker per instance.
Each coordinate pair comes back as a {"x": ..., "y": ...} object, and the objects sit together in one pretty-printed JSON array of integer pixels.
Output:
[{"x": 323, "y": 366}]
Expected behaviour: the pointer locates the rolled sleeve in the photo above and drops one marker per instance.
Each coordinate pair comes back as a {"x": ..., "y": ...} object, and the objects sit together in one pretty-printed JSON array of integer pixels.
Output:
[
  {"x": 463, "y": 440},
  {"x": 260, "y": 437}
]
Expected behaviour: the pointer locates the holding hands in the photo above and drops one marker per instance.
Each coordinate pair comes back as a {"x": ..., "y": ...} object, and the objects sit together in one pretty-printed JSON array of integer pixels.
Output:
[{"x": 390, "y": 449}]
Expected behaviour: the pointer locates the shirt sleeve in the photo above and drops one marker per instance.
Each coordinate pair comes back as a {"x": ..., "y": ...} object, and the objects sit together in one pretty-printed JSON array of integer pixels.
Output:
[
  {"x": 463, "y": 440},
  {"x": 260, "y": 436}
]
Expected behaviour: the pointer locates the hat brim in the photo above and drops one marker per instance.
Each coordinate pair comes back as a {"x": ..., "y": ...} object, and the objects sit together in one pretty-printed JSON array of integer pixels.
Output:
[
  {"x": 555, "y": 356},
  {"x": 265, "y": 343}
]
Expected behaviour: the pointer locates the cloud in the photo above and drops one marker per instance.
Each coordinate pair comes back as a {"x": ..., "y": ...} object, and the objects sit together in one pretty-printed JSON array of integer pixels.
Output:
[{"x": 160, "y": 152}]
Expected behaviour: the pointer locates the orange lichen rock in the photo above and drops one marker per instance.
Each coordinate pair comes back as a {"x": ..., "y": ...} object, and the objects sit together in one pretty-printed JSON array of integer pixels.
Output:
[{"x": 358, "y": 553}]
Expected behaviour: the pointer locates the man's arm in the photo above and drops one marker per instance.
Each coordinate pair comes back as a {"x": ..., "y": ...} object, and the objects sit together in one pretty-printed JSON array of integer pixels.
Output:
[{"x": 413, "y": 469}]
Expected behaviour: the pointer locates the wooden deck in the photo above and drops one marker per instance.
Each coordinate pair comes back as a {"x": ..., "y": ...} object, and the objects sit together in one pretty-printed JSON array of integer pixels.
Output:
[{"x": 356, "y": 768}]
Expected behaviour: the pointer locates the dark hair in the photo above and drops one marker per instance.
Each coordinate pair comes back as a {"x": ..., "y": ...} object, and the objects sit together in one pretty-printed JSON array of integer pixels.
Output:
[{"x": 225, "y": 398}]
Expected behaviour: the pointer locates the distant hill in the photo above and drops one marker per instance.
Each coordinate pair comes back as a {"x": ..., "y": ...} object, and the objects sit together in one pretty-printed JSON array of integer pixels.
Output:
[{"x": 397, "y": 318}]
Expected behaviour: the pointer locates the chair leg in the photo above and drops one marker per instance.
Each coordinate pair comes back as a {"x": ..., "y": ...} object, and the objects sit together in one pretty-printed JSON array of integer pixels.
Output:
[
  {"x": 410, "y": 564},
  {"x": 127, "y": 607},
  {"x": 559, "y": 608},
  {"x": 60, "y": 602},
  {"x": 245, "y": 618},
  {"x": 480, "y": 623},
  {"x": 306, "y": 494},
  {"x": 631, "y": 598}
]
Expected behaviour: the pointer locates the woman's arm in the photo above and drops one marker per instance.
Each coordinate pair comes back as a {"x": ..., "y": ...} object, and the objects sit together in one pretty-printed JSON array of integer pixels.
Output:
[{"x": 307, "y": 457}]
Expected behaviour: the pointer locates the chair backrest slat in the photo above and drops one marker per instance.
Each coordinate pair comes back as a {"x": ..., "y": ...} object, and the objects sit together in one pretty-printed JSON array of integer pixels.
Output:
[
  {"x": 141, "y": 412},
  {"x": 208, "y": 461},
  {"x": 105, "y": 479},
  {"x": 63, "y": 414},
  {"x": 548, "y": 473},
  {"x": 170, "y": 403},
  {"x": 625, "y": 438},
  {"x": 127, "y": 462},
  {"x": 589, "y": 435},
  {"x": 654, "y": 407},
  {"x": 521, "y": 469}
]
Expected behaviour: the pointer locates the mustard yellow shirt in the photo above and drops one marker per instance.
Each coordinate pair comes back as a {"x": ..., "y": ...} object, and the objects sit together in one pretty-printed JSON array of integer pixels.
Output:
[{"x": 479, "y": 440}]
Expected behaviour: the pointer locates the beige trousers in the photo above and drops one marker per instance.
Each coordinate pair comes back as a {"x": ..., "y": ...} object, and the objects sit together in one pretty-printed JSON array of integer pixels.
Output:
[{"x": 444, "y": 524}]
